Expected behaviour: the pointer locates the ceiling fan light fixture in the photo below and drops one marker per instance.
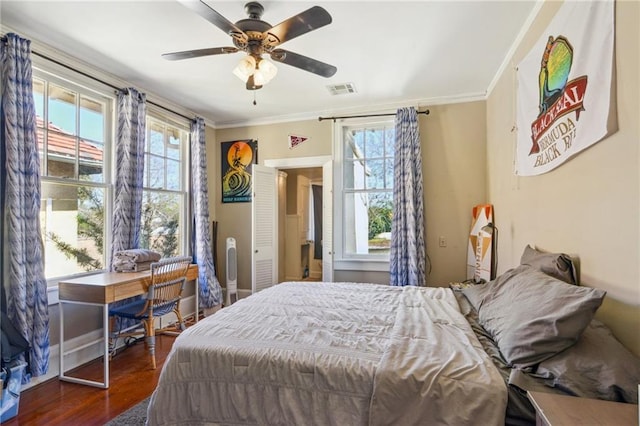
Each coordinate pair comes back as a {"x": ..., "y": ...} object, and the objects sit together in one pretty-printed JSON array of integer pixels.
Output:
[
  {"x": 259, "y": 78},
  {"x": 251, "y": 84},
  {"x": 245, "y": 68},
  {"x": 268, "y": 69},
  {"x": 256, "y": 37}
]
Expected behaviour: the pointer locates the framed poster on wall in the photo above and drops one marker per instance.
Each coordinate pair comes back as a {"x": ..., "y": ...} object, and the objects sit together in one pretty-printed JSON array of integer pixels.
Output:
[{"x": 237, "y": 158}]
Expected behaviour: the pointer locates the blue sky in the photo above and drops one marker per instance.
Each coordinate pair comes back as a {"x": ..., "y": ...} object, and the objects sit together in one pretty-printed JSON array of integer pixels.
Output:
[{"x": 63, "y": 115}]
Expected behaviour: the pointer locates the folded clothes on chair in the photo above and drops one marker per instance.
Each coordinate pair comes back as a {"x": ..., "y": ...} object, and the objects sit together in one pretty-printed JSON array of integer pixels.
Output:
[
  {"x": 137, "y": 255},
  {"x": 128, "y": 266}
]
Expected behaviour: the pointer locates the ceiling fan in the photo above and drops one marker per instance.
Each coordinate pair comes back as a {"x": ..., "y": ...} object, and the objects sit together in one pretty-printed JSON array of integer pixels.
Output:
[{"x": 256, "y": 37}]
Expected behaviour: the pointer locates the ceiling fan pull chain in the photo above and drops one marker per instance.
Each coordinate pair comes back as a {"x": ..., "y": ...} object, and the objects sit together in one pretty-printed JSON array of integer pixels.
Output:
[{"x": 254, "y": 98}]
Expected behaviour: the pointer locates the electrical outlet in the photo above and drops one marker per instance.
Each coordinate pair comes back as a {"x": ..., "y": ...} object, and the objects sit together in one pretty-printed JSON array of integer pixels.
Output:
[{"x": 442, "y": 242}]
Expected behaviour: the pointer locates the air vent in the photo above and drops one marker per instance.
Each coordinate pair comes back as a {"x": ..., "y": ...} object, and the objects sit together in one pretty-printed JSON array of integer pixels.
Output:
[{"x": 342, "y": 89}]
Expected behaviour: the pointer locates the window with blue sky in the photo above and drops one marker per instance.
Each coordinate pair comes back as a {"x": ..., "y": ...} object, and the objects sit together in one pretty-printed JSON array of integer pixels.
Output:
[{"x": 75, "y": 129}]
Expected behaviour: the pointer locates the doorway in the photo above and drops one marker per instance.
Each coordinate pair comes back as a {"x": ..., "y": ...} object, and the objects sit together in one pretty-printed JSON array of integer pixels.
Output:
[
  {"x": 303, "y": 253},
  {"x": 302, "y": 219}
]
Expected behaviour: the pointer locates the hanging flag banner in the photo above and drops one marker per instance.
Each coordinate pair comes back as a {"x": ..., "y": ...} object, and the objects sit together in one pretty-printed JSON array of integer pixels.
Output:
[
  {"x": 564, "y": 87},
  {"x": 295, "y": 140}
]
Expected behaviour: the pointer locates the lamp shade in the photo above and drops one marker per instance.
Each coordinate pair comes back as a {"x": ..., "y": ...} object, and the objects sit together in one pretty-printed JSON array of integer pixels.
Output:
[
  {"x": 245, "y": 68},
  {"x": 267, "y": 69},
  {"x": 264, "y": 72}
]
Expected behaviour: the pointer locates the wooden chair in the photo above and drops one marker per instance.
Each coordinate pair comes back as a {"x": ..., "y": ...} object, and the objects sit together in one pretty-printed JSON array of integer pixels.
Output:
[{"x": 168, "y": 277}]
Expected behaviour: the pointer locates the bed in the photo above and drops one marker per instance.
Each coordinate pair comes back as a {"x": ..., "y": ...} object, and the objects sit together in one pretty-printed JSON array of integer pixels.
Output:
[{"x": 365, "y": 354}]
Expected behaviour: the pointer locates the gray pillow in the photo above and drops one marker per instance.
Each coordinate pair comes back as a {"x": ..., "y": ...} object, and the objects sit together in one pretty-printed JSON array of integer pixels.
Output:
[
  {"x": 597, "y": 366},
  {"x": 558, "y": 265},
  {"x": 533, "y": 316}
]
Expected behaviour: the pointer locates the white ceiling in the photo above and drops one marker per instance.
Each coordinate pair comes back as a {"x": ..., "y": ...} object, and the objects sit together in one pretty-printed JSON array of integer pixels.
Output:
[{"x": 395, "y": 53}]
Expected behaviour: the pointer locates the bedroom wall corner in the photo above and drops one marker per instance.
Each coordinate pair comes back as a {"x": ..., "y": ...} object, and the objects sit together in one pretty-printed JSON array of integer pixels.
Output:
[
  {"x": 454, "y": 173},
  {"x": 589, "y": 206}
]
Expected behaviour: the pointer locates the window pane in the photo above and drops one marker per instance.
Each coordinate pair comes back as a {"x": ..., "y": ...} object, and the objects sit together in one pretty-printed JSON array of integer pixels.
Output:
[
  {"x": 72, "y": 222},
  {"x": 173, "y": 175},
  {"x": 173, "y": 147},
  {"x": 389, "y": 141},
  {"x": 356, "y": 220},
  {"x": 156, "y": 139},
  {"x": 91, "y": 161},
  {"x": 380, "y": 214},
  {"x": 161, "y": 222},
  {"x": 354, "y": 174},
  {"x": 62, "y": 109},
  {"x": 374, "y": 146},
  {"x": 375, "y": 174},
  {"x": 358, "y": 142},
  {"x": 388, "y": 173},
  {"x": 40, "y": 135},
  {"x": 367, "y": 222},
  {"x": 91, "y": 120},
  {"x": 351, "y": 149},
  {"x": 38, "y": 99},
  {"x": 61, "y": 155},
  {"x": 155, "y": 172}
]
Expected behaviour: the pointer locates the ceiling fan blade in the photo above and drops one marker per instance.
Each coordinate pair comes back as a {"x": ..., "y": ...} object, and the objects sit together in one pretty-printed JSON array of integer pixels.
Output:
[
  {"x": 211, "y": 15},
  {"x": 175, "y": 56},
  {"x": 303, "y": 62},
  {"x": 309, "y": 20}
]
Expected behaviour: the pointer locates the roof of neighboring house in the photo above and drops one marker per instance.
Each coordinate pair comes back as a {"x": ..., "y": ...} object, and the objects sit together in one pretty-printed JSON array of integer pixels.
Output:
[{"x": 62, "y": 143}]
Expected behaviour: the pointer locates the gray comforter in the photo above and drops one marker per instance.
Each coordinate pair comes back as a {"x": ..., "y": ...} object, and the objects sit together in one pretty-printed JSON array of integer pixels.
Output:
[{"x": 331, "y": 354}]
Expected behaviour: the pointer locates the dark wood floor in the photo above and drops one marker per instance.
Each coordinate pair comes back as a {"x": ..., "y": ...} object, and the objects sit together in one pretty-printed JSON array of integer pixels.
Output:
[{"x": 61, "y": 403}]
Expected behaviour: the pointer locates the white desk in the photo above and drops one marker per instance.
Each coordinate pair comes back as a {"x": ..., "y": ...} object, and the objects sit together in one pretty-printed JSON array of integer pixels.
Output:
[{"x": 101, "y": 290}]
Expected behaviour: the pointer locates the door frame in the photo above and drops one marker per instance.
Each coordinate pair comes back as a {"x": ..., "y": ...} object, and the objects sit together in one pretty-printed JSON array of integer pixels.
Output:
[{"x": 301, "y": 163}]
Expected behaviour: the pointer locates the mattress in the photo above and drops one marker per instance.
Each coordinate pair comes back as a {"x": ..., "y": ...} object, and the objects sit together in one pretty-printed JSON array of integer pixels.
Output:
[{"x": 331, "y": 354}]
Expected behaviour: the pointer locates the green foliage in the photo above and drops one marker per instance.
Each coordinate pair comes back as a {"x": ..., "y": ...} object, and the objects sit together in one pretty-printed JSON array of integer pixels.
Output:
[
  {"x": 379, "y": 219},
  {"x": 159, "y": 230},
  {"x": 90, "y": 220},
  {"x": 81, "y": 256},
  {"x": 170, "y": 246}
]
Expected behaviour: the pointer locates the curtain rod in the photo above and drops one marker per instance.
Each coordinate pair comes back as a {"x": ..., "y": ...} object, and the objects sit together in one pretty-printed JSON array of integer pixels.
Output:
[
  {"x": 425, "y": 112},
  {"x": 105, "y": 83}
]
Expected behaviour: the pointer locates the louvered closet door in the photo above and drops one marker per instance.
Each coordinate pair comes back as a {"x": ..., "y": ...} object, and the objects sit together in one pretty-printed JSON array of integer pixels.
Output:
[{"x": 264, "y": 259}]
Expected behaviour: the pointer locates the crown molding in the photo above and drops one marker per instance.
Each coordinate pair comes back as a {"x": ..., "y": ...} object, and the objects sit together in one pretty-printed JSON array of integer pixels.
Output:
[{"x": 376, "y": 108}]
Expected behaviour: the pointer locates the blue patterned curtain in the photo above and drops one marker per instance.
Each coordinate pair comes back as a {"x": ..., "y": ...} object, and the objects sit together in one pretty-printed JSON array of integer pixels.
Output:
[
  {"x": 23, "y": 281},
  {"x": 210, "y": 291},
  {"x": 407, "y": 258},
  {"x": 127, "y": 207}
]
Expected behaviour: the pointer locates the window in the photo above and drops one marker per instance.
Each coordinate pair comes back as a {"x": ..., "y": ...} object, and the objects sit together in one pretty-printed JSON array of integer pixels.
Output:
[
  {"x": 73, "y": 124},
  {"x": 75, "y": 128},
  {"x": 365, "y": 181},
  {"x": 164, "y": 197}
]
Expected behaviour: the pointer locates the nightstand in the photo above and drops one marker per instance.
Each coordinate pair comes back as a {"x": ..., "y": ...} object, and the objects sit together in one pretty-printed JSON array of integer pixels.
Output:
[{"x": 563, "y": 410}]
